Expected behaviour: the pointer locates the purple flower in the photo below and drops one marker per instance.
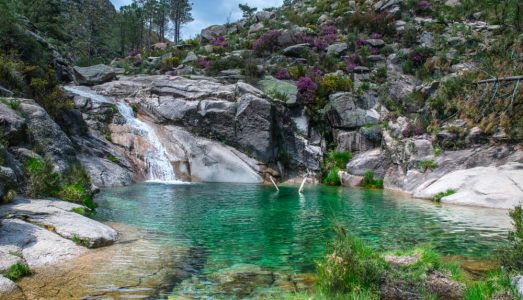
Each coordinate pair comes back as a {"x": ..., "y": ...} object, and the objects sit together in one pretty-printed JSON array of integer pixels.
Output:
[
  {"x": 407, "y": 131},
  {"x": 134, "y": 53},
  {"x": 267, "y": 42},
  {"x": 331, "y": 38},
  {"x": 220, "y": 41},
  {"x": 424, "y": 7},
  {"x": 360, "y": 43},
  {"x": 307, "y": 89},
  {"x": 173, "y": 73},
  {"x": 328, "y": 29},
  {"x": 320, "y": 44},
  {"x": 282, "y": 74},
  {"x": 420, "y": 130},
  {"x": 373, "y": 50},
  {"x": 138, "y": 62},
  {"x": 204, "y": 63},
  {"x": 315, "y": 74}
]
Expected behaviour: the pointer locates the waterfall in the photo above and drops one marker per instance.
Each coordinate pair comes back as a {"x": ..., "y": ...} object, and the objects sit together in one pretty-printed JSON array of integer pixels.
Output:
[{"x": 157, "y": 165}]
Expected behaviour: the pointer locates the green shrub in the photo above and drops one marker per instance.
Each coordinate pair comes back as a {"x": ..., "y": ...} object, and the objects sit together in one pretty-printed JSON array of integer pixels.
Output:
[
  {"x": 332, "y": 83},
  {"x": 9, "y": 196},
  {"x": 113, "y": 159},
  {"x": 511, "y": 256},
  {"x": 332, "y": 177},
  {"x": 43, "y": 181},
  {"x": 79, "y": 241},
  {"x": 349, "y": 266},
  {"x": 441, "y": 195},
  {"x": 17, "y": 271},
  {"x": 82, "y": 211},
  {"x": 425, "y": 165},
  {"x": 297, "y": 71},
  {"x": 369, "y": 181}
]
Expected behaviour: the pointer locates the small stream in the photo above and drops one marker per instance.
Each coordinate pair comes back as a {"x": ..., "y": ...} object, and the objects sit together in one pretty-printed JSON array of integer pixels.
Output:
[{"x": 285, "y": 232}]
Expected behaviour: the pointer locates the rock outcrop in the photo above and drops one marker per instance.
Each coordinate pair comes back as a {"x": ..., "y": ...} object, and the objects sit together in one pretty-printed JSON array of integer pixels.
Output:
[{"x": 93, "y": 75}]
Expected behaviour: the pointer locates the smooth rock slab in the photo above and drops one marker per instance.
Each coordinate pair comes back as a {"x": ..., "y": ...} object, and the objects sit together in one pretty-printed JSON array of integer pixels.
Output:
[
  {"x": 58, "y": 216},
  {"x": 38, "y": 246},
  {"x": 494, "y": 187}
]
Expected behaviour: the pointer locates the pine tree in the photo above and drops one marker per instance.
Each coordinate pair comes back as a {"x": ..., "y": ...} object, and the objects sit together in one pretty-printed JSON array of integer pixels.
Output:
[{"x": 180, "y": 14}]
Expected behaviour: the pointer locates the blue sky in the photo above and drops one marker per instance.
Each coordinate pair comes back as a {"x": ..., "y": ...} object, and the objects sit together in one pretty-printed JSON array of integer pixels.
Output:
[{"x": 210, "y": 12}]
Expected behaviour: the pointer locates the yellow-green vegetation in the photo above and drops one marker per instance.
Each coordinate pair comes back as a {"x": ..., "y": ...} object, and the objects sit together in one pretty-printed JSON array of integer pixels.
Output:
[
  {"x": 370, "y": 182},
  {"x": 17, "y": 271},
  {"x": 353, "y": 270},
  {"x": 511, "y": 255},
  {"x": 113, "y": 158},
  {"x": 332, "y": 164},
  {"x": 9, "y": 196},
  {"x": 425, "y": 165},
  {"x": 331, "y": 83},
  {"x": 79, "y": 241},
  {"x": 441, "y": 195},
  {"x": 350, "y": 266},
  {"x": 44, "y": 181}
]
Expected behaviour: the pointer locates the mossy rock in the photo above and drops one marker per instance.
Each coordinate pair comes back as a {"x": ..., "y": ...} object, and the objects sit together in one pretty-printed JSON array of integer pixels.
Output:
[{"x": 269, "y": 85}]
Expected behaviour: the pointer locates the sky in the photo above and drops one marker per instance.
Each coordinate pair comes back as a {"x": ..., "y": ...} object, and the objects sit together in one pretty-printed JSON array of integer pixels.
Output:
[{"x": 211, "y": 12}]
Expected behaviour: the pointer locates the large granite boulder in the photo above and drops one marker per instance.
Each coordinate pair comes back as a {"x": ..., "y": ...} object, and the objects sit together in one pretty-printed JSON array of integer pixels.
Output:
[
  {"x": 11, "y": 122},
  {"x": 347, "y": 111},
  {"x": 374, "y": 160},
  {"x": 47, "y": 136},
  {"x": 269, "y": 85},
  {"x": 94, "y": 75},
  {"x": 208, "y": 34}
]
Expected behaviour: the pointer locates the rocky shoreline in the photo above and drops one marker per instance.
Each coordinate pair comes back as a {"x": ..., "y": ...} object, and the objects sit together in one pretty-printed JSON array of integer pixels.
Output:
[{"x": 44, "y": 233}]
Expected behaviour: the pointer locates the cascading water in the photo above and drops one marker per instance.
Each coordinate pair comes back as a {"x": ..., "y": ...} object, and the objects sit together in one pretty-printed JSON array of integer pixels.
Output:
[{"x": 157, "y": 165}]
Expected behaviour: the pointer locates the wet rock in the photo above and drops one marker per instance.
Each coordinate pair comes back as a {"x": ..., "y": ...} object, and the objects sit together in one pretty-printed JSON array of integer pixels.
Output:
[
  {"x": 439, "y": 284},
  {"x": 349, "y": 180},
  {"x": 240, "y": 280},
  {"x": 94, "y": 75}
]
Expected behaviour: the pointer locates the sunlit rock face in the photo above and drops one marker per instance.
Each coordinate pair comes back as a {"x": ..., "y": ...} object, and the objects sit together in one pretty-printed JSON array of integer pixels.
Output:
[{"x": 172, "y": 128}]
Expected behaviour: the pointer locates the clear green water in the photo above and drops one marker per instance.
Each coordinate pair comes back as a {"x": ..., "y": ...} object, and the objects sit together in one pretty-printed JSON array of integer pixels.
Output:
[{"x": 288, "y": 231}]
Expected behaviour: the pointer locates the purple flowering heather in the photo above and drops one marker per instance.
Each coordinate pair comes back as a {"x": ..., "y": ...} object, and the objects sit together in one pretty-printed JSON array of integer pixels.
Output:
[
  {"x": 373, "y": 50},
  {"x": 268, "y": 42},
  {"x": 173, "y": 73},
  {"x": 134, "y": 53},
  {"x": 315, "y": 74},
  {"x": 282, "y": 74},
  {"x": 204, "y": 63},
  {"x": 220, "y": 41},
  {"x": 360, "y": 43},
  {"x": 328, "y": 29},
  {"x": 307, "y": 89},
  {"x": 420, "y": 130},
  {"x": 331, "y": 38},
  {"x": 424, "y": 7},
  {"x": 320, "y": 44}
]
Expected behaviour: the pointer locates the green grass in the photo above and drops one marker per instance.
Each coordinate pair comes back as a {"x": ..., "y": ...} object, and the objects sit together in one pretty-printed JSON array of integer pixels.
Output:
[
  {"x": 79, "y": 241},
  {"x": 441, "y": 195},
  {"x": 17, "y": 271},
  {"x": 427, "y": 165},
  {"x": 113, "y": 158},
  {"x": 43, "y": 180},
  {"x": 333, "y": 163},
  {"x": 370, "y": 183}
]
